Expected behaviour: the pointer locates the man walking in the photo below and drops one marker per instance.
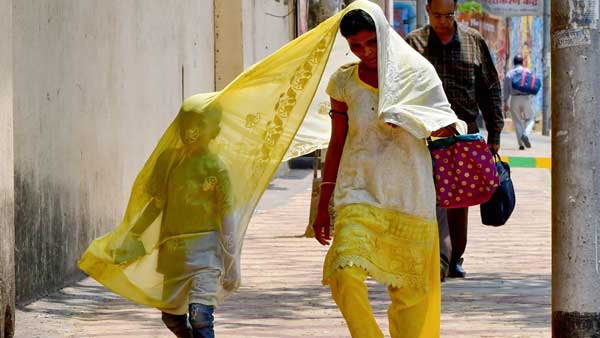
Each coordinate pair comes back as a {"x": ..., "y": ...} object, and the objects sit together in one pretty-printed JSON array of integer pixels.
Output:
[
  {"x": 463, "y": 62},
  {"x": 520, "y": 103}
]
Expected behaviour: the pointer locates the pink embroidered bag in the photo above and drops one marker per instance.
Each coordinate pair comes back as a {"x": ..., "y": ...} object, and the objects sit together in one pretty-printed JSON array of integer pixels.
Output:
[{"x": 464, "y": 170}]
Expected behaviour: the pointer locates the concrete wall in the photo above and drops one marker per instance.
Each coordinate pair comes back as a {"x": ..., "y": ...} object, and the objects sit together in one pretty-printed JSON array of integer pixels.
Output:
[
  {"x": 229, "y": 54},
  {"x": 7, "y": 243},
  {"x": 96, "y": 83},
  {"x": 266, "y": 26}
]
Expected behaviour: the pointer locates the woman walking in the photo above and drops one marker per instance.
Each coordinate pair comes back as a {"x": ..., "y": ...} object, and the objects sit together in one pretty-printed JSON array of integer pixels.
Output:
[{"x": 380, "y": 168}]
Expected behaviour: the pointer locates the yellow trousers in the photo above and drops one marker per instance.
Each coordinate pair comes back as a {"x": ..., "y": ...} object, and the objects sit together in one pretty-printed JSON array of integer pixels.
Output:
[
  {"x": 412, "y": 314},
  {"x": 396, "y": 249}
]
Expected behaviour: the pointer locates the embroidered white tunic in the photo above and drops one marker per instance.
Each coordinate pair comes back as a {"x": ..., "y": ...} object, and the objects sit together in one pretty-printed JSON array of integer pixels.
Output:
[{"x": 381, "y": 166}]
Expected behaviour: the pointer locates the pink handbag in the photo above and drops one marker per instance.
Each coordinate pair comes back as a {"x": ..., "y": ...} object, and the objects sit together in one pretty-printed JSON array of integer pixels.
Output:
[{"x": 464, "y": 171}]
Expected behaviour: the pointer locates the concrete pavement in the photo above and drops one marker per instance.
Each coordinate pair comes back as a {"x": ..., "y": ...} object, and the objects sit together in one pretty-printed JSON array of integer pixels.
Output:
[{"x": 506, "y": 292}]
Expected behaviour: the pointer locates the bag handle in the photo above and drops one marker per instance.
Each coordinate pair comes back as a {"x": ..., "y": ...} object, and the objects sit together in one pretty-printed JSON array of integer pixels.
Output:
[{"x": 452, "y": 128}]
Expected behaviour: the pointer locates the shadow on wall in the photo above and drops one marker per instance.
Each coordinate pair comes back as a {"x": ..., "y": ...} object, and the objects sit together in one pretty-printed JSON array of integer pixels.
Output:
[
  {"x": 9, "y": 323},
  {"x": 7, "y": 326},
  {"x": 53, "y": 230}
]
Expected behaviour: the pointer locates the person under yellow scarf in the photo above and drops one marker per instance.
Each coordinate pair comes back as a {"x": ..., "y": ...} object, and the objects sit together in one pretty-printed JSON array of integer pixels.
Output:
[
  {"x": 383, "y": 107},
  {"x": 178, "y": 246}
]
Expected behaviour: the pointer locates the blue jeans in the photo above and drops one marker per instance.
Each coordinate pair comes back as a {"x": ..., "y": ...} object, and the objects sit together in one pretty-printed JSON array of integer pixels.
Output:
[
  {"x": 198, "y": 324},
  {"x": 202, "y": 320}
]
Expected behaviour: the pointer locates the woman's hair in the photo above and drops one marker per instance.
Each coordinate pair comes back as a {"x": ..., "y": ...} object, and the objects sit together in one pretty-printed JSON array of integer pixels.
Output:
[{"x": 355, "y": 21}]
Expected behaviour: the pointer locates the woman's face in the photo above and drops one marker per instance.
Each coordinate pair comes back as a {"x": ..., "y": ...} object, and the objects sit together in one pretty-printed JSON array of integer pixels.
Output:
[{"x": 364, "y": 45}]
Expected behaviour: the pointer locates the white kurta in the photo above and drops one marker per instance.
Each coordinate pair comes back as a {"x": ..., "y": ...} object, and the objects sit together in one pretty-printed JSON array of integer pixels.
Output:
[{"x": 381, "y": 166}]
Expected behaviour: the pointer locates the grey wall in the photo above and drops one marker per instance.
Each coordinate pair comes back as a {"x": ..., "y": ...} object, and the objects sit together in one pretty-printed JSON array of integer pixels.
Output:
[
  {"x": 266, "y": 28},
  {"x": 7, "y": 271},
  {"x": 96, "y": 83}
]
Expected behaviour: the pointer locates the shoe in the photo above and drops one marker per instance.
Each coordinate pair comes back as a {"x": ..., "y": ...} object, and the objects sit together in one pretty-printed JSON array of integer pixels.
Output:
[
  {"x": 444, "y": 268},
  {"x": 525, "y": 140},
  {"x": 521, "y": 148},
  {"x": 456, "y": 270}
]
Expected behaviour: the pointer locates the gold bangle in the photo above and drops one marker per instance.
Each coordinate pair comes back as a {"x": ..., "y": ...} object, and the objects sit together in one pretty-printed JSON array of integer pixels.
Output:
[{"x": 326, "y": 183}]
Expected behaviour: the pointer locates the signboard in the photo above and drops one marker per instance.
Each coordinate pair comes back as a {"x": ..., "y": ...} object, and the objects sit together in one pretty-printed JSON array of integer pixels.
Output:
[{"x": 513, "y": 7}]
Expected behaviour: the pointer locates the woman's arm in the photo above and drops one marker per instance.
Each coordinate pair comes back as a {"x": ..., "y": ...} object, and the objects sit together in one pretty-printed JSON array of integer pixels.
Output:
[{"x": 339, "y": 130}]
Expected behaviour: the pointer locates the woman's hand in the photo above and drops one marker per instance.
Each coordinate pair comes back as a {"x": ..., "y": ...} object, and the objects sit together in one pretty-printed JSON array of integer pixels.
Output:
[{"x": 322, "y": 226}]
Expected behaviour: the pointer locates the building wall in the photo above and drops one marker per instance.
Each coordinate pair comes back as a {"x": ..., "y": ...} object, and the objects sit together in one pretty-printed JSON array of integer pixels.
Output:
[
  {"x": 229, "y": 52},
  {"x": 7, "y": 243},
  {"x": 493, "y": 29},
  {"x": 527, "y": 38},
  {"x": 266, "y": 26},
  {"x": 96, "y": 83}
]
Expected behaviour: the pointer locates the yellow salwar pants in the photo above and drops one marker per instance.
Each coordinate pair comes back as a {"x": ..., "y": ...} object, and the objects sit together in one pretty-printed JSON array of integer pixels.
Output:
[
  {"x": 414, "y": 311},
  {"x": 411, "y": 314}
]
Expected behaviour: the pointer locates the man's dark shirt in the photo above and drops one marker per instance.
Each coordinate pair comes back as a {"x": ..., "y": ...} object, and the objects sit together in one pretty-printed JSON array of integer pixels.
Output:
[{"x": 468, "y": 74}]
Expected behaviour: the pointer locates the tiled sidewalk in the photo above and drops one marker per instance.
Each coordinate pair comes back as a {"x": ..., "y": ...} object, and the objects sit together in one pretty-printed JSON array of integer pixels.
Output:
[{"x": 506, "y": 292}]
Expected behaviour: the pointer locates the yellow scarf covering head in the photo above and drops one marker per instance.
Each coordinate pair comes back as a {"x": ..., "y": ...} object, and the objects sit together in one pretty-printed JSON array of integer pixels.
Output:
[{"x": 203, "y": 180}]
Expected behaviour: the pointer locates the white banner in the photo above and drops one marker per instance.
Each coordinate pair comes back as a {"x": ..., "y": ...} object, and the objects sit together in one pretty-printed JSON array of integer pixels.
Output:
[{"x": 513, "y": 7}]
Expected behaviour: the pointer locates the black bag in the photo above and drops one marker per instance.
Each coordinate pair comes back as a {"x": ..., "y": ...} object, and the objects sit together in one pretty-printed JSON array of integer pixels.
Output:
[{"x": 499, "y": 207}]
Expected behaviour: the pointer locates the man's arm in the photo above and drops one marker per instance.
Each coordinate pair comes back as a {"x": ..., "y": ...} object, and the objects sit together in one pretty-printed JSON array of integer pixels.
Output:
[
  {"x": 506, "y": 88},
  {"x": 489, "y": 96}
]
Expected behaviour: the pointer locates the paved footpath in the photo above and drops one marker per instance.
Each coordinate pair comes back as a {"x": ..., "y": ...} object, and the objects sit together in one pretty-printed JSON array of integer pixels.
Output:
[{"x": 506, "y": 292}]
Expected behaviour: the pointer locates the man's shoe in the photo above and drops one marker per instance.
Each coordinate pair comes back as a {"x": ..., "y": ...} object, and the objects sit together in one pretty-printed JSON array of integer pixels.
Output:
[
  {"x": 456, "y": 270},
  {"x": 521, "y": 148},
  {"x": 444, "y": 268},
  {"x": 525, "y": 140}
]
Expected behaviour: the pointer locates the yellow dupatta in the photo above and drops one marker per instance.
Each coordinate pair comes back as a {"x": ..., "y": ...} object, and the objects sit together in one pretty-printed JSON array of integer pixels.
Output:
[{"x": 262, "y": 111}]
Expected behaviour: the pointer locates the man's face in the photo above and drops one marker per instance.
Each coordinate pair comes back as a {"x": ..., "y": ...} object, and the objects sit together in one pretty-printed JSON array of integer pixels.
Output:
[
  {"x": 441, "y": 16},
  {"x": 364, "y": 45}
]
